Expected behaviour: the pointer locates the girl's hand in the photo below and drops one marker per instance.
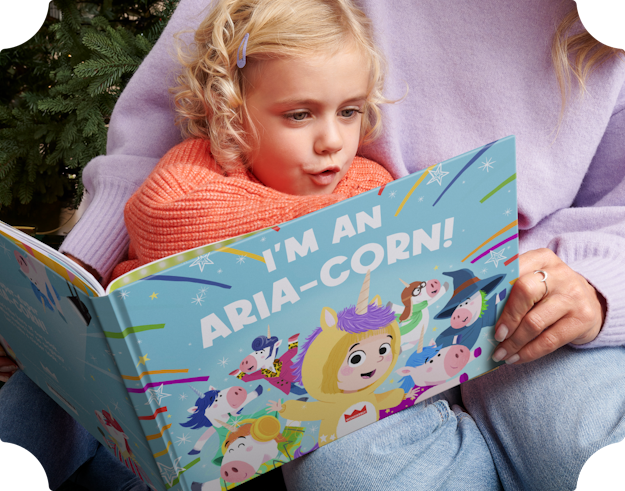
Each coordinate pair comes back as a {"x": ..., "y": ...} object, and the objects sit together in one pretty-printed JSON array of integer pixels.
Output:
[
  {"x": 275, "y": 405},
  {"x": 7, "y": 366},
  {"x": 531, "y": 325}
]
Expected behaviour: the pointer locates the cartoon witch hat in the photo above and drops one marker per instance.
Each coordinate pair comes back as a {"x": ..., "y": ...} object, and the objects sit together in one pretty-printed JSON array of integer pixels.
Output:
[{"x": 465, "y": 285}]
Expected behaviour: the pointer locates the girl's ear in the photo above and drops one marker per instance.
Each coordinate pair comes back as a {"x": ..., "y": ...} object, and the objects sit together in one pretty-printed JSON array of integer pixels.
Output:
[{"x": 328, "y": 318}]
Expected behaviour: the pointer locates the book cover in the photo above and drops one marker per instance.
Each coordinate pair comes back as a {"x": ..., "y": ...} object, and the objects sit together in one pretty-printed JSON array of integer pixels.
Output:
[{"x": 208, "y": 368}]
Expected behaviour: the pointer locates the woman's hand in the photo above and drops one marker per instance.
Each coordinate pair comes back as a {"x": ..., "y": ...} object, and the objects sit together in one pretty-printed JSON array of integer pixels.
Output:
[
  {"x": 531, "y": 325},
  {"x": 7, "y": 366},
  {"x": 88, "y": 268}
]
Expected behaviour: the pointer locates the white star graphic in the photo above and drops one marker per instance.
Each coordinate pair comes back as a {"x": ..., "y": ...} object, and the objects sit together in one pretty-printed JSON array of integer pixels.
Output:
[
  {"x": 219, "y": 271},
  {"x": 183, "y": 439},
  {"x": 203, "y": 290},
  {"x": 437, "y": 175},
  {"x": 487, "y": 164},
  {"x": 241, "y": 260},
  {"x": 169, "y": 474},
  {"x": 116, "y": 406},
  {"x": 123, "y": 294},
  {"x": 198, "y": 299},
  {"x": 201, "y": 262},
  {"x": 182, "y": 396},
  {"x": 484, "y": 271},
  {"x": 263, "y": 239},
  {"x": 323, "y": 438},
  {"x": 495, "y": 257},
  {"x": 392, "y": 194},
  {"x": 223, "y": 362},
  {"x": 420, "y": 199},
  {"x": 157, "y": 395},
  {"x": 507, "y": 212}
]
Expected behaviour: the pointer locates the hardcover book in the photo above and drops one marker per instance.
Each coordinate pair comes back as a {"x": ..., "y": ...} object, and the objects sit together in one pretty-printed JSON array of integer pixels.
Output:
[{"x": 205, "y": 369}]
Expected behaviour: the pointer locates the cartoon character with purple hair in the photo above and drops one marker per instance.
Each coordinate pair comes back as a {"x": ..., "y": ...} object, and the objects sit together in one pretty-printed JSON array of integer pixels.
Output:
[{"x": 341, "y": 365}]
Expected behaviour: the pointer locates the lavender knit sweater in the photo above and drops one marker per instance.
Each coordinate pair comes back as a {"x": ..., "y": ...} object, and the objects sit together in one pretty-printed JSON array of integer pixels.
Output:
[{"x": 476, "y": 71}]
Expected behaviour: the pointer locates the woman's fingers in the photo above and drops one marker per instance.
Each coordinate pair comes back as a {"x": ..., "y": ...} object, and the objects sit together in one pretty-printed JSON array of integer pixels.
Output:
[
  {"x": 534, "y": 322},
  {"x": 7, "y": 368}
]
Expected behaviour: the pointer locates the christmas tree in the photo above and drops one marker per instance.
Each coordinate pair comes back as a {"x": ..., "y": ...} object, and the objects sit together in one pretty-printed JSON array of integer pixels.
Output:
[{"x": 58, "y": 91}]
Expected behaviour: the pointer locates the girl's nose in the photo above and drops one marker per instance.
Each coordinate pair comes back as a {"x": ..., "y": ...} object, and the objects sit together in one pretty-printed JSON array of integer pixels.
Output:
[{"x": 329, "y": 140}]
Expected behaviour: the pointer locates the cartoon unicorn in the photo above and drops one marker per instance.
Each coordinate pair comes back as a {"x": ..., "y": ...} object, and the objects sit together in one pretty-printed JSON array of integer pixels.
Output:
[
  {"x": 342, "y": 363},
  {"x": 40, "y": 283},
  {"x": 432, "y": 370},
  {"x": 253, "y": 447},
  {"x": 117, "y": 441},
  {"x": 263, "y": 364},
  {"x": 469, "y": 309},
  {"x": 214, "y": 406},
  {"x": 416, "y": 297}
]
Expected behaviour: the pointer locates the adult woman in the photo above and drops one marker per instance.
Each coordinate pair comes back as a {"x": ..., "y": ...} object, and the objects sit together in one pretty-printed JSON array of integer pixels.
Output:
[{"x": 476, "y": 72}]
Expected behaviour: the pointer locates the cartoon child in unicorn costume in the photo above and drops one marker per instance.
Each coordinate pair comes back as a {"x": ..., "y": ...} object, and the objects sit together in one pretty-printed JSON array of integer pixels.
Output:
[
  {"x": 469, "y": 309},
  {"x": 341, "y": 365}
]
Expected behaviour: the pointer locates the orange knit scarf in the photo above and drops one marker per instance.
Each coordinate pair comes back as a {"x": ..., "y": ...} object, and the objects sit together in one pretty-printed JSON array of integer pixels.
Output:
[{"x": 189, "y": 201}]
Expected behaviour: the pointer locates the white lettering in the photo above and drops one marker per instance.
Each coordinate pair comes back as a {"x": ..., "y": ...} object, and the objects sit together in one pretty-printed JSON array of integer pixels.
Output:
[
  {"x": 419, "y": 238},
  {"x": 283, "y": 292},
  {"x": 309, "y": 243},
  {"x": 396, "y": 245},
  {"x": 239, "y": 319},
  {"x": 326, "y": 277},
  {"x": 343, "y": 228},
  {"x": 378, "y": 252},
  {"x": 208, "y": 335},
  {"x": 362, "y": 219}
]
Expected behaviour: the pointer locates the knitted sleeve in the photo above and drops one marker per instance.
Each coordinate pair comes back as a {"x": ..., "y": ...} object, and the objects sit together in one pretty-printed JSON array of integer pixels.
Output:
[
  {"x": 141, "y": 131},
  {"x": 187, "y": 202}
]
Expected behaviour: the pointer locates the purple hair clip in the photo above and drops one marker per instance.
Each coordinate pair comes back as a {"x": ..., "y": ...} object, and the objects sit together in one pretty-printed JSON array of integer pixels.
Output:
[{"x": 241, "y": 61}]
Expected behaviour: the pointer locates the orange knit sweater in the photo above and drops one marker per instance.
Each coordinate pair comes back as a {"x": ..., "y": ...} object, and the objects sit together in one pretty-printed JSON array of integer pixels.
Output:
[{"x": 189, "y": 201}]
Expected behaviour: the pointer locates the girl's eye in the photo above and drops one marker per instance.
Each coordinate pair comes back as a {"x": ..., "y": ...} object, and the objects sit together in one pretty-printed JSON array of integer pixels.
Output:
[
  {"x": 385, "y": 349},
  {"x": 301, "y": 116},
  {"x": 348, "y": 113},
  {"x": 356, "y": 359}
]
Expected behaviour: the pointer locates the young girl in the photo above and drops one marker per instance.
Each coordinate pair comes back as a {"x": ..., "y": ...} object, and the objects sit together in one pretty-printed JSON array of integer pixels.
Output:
[{"x": 276, "y": 97}]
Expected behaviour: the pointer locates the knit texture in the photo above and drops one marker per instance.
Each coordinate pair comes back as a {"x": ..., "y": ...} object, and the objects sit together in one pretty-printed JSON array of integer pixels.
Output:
[{"x": 189, "y": 201}]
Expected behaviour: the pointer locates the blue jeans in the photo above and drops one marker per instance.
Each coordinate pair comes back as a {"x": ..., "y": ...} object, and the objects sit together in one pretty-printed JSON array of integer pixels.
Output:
[
  {"x": 30, "y": 419},
  {"x": 533, "y": 426}
]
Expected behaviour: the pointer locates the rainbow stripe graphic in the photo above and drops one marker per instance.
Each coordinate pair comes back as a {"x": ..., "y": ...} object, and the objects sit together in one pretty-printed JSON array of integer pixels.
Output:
[
  {"x": 502, "y": 231},
  {"x": 132, "y": 330},
  {"x": 507, "y": 181},
  {"x": 168, "y": 382}
]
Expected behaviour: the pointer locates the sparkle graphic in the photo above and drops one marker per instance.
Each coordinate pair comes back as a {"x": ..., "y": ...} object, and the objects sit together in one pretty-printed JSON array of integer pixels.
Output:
[
  {"x": 116, "y": 406},
  {"x": 182, "y": 396},
  {"x": 507, "y": 212},
  {"x": 487, "y": 164},
  {"x": 263, "y": 239},
  {"x": 236, "y": 421},
  {"x": 392, "y": 194},
  {"x": 219, "y": 271},
  {"x": 495, "y": 257},
  {"x": 201, "y": 262},
  {"x": 93, "y": 358},
  {"x": 420, "y": 200},
  {"x": 123, "y": 294},
  {"x": 203, "y": 290},
  {"x": 437, "y": 175},
  {"x": 223, "y": 362},
  {"x": 183, "y": 439},
  {"x": 6, "y": 251},
  {"x": 143, "y": 359},
  {"x": 198, "y": 299},
  {"x": 169, "y": 474},
  {"x": 241, "y": 260},
  {"x": 484, "y": 271},
  {"x": 157, "y": 395}
]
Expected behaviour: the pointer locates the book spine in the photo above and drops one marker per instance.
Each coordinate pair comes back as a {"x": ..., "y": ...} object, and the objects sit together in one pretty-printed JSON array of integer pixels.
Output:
[{"x": 121, "y": 335}]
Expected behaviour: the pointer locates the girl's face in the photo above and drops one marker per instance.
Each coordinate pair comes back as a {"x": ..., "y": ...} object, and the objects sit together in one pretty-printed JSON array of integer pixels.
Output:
[
  {"x": 365, "y": 362},
  {"x": 307, "y": 112}
]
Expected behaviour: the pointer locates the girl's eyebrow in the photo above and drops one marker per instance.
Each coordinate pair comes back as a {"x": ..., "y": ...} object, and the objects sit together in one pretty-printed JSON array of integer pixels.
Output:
[
  {"x": 314, "y": 102},
  {"x": 352, "y": 347}
]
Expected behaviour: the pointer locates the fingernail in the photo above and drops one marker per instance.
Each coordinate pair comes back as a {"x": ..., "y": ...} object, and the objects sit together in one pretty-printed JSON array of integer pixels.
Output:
[
  {"x": 513, "y": 359},
  {"x": 10, "y": 368},
  {"x": 500, "y": 354},
  {"x": 4, "y": 378},
  {"x": 501, "y": 333}
]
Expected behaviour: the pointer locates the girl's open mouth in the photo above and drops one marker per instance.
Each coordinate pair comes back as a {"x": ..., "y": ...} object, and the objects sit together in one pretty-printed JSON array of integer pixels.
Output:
[
  {"x": 368, "y": 375},
  {"x": 324, "y": 178}
]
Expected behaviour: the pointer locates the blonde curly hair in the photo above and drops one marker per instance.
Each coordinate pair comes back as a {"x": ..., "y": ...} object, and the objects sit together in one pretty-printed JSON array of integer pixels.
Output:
[{"x": 211, "y": 92}]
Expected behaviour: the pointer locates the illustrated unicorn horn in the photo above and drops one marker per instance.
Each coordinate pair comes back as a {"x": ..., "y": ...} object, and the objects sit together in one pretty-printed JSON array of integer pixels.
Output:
[
  {"x": 268, "y": 333},
  {"x": 363, "y": 298},
  {"x": 420, "y": 345},
  {"x": 404, "y": 283},
  {"x": 226, "y": 425},
  {"x": 201, "y": 395}
]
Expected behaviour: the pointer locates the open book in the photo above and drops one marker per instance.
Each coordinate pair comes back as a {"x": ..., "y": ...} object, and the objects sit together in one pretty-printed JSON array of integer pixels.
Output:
[{"x": 207, "y": 368}]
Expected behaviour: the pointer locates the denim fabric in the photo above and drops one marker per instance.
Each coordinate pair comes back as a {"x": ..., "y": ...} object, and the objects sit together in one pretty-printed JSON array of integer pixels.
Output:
[
  {"x": 543, "y": 420},
  {"x": 30, "y": 419},
  {"x": 428, "y": 446}
]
